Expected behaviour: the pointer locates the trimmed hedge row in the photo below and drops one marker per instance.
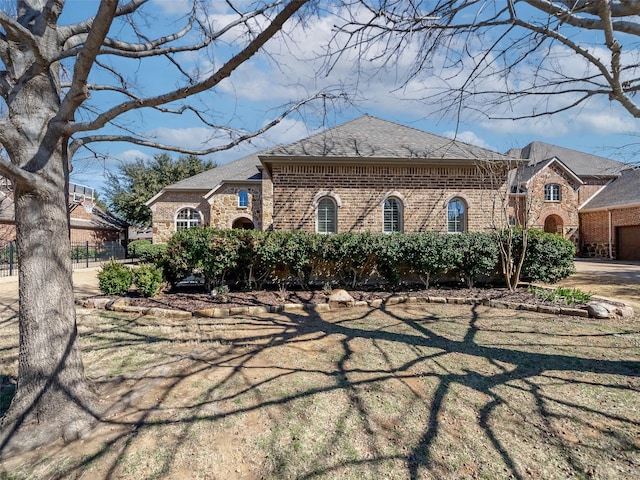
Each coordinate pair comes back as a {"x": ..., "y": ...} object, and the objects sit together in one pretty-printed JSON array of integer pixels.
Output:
[
  {"x": 254, "y": 258},
  {"x": 146, "y": 251}
]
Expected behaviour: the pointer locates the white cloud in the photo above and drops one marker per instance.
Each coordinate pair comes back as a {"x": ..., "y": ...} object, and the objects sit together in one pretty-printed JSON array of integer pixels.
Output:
[
  {"x": 132, "y": 155},
  {"x": 173, "y": 7},
  {"x": 470, "y": 137}
]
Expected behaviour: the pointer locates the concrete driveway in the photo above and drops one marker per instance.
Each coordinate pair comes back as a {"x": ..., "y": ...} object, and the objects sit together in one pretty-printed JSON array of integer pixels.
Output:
[
  {"x": 619, "y": 280},
  {"x": 85, "y": 284}
]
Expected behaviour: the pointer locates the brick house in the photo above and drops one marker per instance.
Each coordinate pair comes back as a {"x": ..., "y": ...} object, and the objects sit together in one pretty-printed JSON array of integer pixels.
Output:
[
  {"x": 365, "y": 175},
  {"x": 88, "y": 222},
  {"x": 373, "y": 175},
  {"x": 610, "y": 219},
  {"x": 593, "y": 200}
]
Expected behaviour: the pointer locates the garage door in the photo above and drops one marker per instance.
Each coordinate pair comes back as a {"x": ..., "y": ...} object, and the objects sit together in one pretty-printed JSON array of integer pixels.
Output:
[{"x": 629, "y": 243}]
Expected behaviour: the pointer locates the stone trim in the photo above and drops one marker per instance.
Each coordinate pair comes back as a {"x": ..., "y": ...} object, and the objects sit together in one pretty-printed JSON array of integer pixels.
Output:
[
  {"x": 121, "y": 305},
  {"x": 320, "y": 195}
]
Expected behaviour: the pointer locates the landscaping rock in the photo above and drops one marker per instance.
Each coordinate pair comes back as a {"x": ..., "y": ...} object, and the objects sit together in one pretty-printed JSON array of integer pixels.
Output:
[
  {"x": 340, "y": 298},
  {"x": 166, "y": 313},
  {"x": 317, "y": 307},
  {"x": 624, "y": 312},
  {"x": 437, "y": 300},
  {"x": 577, "y": 312},
  {"x": 100, "y": 302},
  {"x": 598, "y": 310},
  {"x": 548, "y": 309}
]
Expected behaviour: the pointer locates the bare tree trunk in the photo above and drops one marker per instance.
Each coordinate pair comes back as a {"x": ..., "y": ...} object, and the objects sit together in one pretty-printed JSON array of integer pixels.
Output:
[{"x": 53, "y": 399}]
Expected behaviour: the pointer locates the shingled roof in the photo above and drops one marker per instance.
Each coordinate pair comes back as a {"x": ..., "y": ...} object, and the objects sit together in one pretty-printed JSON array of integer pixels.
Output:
[
  {"x": 623, "y": 191},
  {"x": 582, "y": 164},
  {"x": 371, "y": 137},
  {"x": 245, "y": 168}
]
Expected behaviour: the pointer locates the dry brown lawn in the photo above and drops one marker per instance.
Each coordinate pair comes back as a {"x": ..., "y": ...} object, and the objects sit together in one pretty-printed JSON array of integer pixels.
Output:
[{"x": 410, "y": 392}]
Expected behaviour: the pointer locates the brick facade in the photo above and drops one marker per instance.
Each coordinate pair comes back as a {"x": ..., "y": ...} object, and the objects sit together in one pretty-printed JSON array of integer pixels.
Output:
[
  {"x": 423, "y": 191},
  {"x": 595, "y": 230},
  {"x": 93, "y": 235},
  {"x": 167, "y": 207}
]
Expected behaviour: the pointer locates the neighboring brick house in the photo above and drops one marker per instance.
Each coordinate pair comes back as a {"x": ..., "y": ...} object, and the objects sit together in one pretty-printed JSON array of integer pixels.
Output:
[
  {"x": 610, "y": 220},
  {"x": 366, "y": 175},
  {"x": 88, "y": 222},
  {"x": 373, "y": 175},
  {"x": 592, "y": 200}
]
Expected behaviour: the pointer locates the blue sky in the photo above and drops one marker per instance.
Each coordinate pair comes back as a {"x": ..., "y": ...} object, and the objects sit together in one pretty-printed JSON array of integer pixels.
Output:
[{"x": 258, "y": 90}]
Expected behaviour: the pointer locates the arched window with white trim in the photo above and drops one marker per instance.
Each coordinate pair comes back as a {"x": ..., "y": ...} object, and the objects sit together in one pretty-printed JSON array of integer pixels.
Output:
[
  {"x": 327, "y": 216},
  {"x": 187, "y": 218},
  {"x": 457, "y": 216},
  {"x": 392, "y": 215}
]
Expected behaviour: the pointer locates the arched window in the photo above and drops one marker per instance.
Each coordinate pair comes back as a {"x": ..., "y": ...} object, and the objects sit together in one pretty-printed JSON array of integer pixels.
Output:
[
  {"x": 187, "y": 218},
  {"x": 552, "y": 192},
  {"x": 392, "y": 215},
  {"x": 243, "y": 199},
  {"x": 327, "y": 213},
  {"x": 456, "y": 216}
]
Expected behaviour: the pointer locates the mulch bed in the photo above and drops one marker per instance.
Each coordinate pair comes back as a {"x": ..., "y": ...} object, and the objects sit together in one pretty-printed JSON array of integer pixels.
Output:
[{"x": 192, "y": 299}]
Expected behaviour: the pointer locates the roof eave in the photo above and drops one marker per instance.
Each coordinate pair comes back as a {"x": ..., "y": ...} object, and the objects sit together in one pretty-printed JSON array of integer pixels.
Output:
[
  {"x": 610, "y": 207},
  {"x": 269, "y": 160}
]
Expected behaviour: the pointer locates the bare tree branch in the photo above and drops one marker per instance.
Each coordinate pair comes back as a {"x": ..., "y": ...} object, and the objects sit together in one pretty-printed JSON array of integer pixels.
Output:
[
  {"x": 239, "y": 138},
  {"x": 85, "y": 59},
  {"x": 513, "y": 42},
  {"x": 65, "y": 33},
  {"x": 152, "y": 48},
  {"x": 251, "y": 49},
  {"x": 27, "y": 179},
  {"x": 21, "y": 34}
]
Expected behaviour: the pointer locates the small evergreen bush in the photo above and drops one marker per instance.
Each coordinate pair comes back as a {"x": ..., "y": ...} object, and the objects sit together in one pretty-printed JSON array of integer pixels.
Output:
[
  {"x": 548, "y": 258},
  {"x": 114, "y": 278},
  {"x": 148, "y": 279},
  {"x": 146, "y": 251}
]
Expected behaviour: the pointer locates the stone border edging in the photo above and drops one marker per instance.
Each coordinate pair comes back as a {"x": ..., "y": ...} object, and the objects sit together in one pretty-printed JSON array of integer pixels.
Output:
[{"x": 122, "y": 305}]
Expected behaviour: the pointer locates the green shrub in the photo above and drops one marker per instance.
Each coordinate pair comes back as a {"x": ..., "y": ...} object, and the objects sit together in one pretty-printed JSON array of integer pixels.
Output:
[
  {"x": 567, "y": 295},
  {"x": 429, "y": 255},
  {"x": 350, "y": 257},
  {"x": 474, "y": 254},
  {"x": 253, "y": 258},
  {"x": 220, "y": 257},
  {"x": 389, "y": 254},
  {"x": 114, "y": 278},
  {"x": 185, "y": 253},
  {"x": 548, "y": 258},
  {"x": 148, "y": 279},
  {"x": 146, "y": 251}
]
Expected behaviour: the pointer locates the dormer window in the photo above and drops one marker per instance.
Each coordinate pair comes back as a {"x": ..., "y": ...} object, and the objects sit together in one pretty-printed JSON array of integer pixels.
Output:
[{"x": 552, "y": 192}]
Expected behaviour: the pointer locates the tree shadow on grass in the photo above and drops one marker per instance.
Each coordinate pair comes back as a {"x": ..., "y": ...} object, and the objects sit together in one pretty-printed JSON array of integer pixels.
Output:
[{"x": 282, "y": 366}]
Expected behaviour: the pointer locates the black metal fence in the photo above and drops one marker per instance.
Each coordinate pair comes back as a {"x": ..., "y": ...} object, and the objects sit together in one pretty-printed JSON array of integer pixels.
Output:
[{"x": 83, "y": 255}]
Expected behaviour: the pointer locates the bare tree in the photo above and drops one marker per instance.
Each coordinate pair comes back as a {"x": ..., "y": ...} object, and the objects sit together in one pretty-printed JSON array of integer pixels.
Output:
[
  {"x": 506, "y": 59},
  {"x": 46, "y": 84},
  {"x": 510, "y": 215}
]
